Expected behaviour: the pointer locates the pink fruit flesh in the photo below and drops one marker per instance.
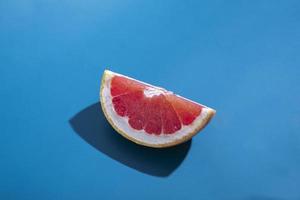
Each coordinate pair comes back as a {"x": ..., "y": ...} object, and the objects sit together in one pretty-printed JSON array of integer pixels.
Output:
[{"x": 162, "y": 113}]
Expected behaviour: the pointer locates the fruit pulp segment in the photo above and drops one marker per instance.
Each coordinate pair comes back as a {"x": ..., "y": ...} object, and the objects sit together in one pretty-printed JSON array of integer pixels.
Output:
[{"x": 163, "y": 112}]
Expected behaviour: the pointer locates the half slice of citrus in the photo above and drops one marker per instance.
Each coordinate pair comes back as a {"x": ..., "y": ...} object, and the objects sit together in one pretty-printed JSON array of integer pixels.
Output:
[{"x": 150, "y": 115}]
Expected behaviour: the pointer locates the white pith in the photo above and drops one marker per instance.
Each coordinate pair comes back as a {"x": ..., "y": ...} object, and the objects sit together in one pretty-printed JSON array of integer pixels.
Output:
[
  {"x": 150, "y": 92},
  {"x": 140, "y": 135}
]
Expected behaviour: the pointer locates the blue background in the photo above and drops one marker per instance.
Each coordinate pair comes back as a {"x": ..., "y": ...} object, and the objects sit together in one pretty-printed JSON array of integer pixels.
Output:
[{"x": 239, "y": 57}]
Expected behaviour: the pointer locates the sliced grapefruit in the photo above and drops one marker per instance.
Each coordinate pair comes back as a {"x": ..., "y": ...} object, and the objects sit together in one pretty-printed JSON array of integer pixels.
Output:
[{"x": 150, "y": 115}]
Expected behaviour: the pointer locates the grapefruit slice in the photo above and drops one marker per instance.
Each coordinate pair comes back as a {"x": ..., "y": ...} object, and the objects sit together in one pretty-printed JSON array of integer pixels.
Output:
[{"x": 150, "y": 115}]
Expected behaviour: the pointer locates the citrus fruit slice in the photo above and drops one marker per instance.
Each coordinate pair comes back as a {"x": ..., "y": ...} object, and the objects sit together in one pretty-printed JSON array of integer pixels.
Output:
[{"x": 150, "y": 115}]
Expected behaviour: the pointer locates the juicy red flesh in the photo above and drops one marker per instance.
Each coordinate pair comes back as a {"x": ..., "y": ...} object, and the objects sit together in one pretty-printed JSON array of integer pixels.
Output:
[{"x": 163, "y": 113}]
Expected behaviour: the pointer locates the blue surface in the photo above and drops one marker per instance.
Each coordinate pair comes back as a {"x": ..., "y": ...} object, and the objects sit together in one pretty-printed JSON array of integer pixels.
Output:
[{"x": 239, "y": 57}]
